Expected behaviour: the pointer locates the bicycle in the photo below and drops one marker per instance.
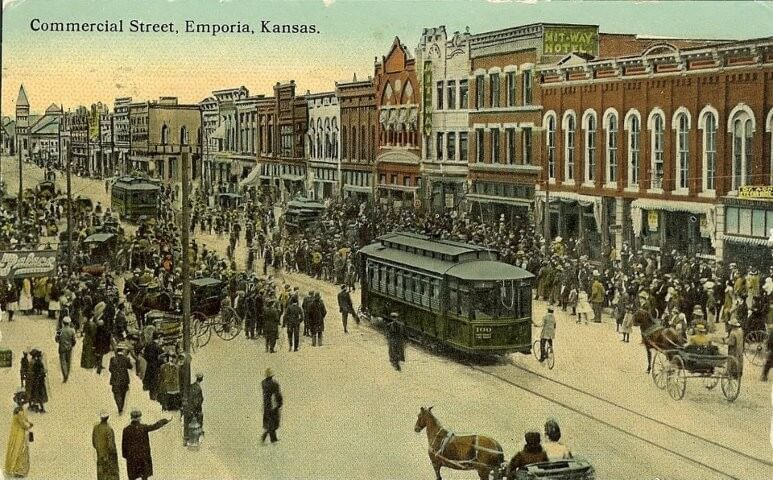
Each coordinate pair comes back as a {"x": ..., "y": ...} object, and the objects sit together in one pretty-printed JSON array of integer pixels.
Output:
[{"x": 550, "y": 356}]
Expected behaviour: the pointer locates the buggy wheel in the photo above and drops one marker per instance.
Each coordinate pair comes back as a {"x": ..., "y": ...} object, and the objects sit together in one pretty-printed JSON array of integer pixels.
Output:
[
  {"x": 731, "y": 380},
  {"x": 229, "y": 324},
  {"x": 677, "y": 378},
  {"x": 754, "y": 347},
  {"x": 200, "y": 331},
  {"x": 536, "y": 350},
  {"x": 710, "y": 382},
  {"x": 550, "y": 356},
  {"x": 660, "y": 369}
]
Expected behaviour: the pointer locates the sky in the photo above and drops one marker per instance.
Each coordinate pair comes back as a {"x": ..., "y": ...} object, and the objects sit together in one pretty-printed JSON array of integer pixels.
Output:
[{"x": 83, "y": 68}]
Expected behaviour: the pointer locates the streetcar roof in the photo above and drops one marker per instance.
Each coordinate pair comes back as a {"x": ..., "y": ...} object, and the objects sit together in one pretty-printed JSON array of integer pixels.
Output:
[
  {"x": 205, "y": 282},
  {"x": 424, "y": 242},
  {"x": 482, "y": 270},
  {"x": 137, "y": 186},
  {"x": 392, "y": 255}
]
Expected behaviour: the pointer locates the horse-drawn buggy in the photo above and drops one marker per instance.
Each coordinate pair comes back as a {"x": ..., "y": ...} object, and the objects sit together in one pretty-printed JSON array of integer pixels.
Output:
[
  {"x": 672, "y": 368},
  {"x": 209, "y": 313},
  {"x": 104, "y": 250},
  {"x": 169, "y": 326}
]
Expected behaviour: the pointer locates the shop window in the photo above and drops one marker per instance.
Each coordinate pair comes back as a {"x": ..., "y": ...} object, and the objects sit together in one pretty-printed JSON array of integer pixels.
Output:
[{"x": 758, "y": 223}]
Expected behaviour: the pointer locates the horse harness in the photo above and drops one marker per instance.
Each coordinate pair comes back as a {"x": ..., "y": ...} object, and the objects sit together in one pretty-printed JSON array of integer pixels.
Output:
[{"x": 460, "y": 464}]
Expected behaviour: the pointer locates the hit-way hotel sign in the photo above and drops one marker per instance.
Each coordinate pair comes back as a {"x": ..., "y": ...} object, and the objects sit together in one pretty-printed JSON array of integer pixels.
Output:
[
  {"x": 27, "y": 263},
  {"x": 570, "y": 39}
]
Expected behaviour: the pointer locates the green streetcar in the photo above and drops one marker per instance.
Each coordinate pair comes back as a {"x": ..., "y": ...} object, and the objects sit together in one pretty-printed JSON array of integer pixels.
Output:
[
  {"x": 448, "y": 293},
  {"x": 133, "y": 197}
]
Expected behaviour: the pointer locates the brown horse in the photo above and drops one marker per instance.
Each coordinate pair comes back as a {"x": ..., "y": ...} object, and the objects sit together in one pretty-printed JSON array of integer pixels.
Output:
[
  {"x": 459, "y": 452},
  {"x": 655, "y": 336}
]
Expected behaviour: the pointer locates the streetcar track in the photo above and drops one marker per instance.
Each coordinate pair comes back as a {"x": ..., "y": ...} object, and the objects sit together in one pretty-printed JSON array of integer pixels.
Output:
[{"x": 638, "y": 414}]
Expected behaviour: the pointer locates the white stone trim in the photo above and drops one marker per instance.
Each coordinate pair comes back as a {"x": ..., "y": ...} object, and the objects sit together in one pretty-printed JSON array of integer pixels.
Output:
[
  {"x": 627, "y": 120},
  {"x": 605, "y": 119},
  {"x": 494, "y": 70},
  {"x": 675, "y": 123},
  {"x": 741, "y": 107},
  {"x": 478, "y": 72},
  {"x": 702, "y": 116},
  {"x": 526, "y": 66},
  {"x": 651, "y": 118},
  {"x": 510, "y": 68}
]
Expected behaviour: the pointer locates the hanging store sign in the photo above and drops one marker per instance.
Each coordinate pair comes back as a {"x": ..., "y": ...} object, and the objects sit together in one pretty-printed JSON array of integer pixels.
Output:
[
  {"x": 760, "y": 191},
  {"x": 27, "y": 263},
  {"x": 426, "y": 116},
  {"x": 565, "y": 40},
  {"x": 652, "y": 220}
]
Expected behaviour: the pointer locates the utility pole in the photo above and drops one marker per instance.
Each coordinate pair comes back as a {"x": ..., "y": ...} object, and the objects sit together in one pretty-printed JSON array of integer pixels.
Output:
[
  {"x": 186, "y": 273},
  {"x": 69, "y": 209},
  {"x": 21, "y": 183}
]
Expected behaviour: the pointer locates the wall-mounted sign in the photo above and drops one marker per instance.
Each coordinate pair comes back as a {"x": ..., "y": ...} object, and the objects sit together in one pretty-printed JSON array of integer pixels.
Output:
[
  {"x": 27, "y": 263},
  {"x": 426, "y": 116},
  {"x": 567, "y": 39},
  {"x": 760, "y": 191},
  {"x": 652, "y": 220}
]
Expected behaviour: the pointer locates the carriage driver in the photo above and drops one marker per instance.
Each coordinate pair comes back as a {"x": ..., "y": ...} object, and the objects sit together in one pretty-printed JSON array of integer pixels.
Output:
[
  {"x": 548, "y": 332},
  {"x": 701, "y": 337}
]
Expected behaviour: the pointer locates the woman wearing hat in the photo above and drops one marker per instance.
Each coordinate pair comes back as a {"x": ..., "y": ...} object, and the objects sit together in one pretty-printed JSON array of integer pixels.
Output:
[{"x": 17, "y": 453}]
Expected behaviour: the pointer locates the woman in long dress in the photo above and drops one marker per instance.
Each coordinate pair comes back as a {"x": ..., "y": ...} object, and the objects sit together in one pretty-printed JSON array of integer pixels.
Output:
[
  {"x": 17, "y": 455},
  {"x": 584, "y": 307},
  {"x": 25, "y": 296}
]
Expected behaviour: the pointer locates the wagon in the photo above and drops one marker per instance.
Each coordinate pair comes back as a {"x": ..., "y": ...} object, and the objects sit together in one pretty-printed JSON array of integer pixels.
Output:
[
  {"x": 672, "y": 368},
  {"x": 571, "y": 469},
  {"x": 168, "y": 325},
  {"x": 208, "y": 313},
  {"x": 104, "y": 249}
]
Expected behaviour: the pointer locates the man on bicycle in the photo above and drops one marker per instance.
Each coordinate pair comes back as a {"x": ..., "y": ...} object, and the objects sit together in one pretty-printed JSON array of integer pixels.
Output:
[{"x": 548, "y": 332}]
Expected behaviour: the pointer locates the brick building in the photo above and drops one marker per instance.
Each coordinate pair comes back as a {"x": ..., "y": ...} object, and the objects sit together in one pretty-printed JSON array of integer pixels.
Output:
[
  {"x": 323, "y": 145},
  {"x": 357, "y": 103},
  {"x": 398, "y": 160},
  {"x": 282, "y": 127},
  {"x": 655, "y": 148}
]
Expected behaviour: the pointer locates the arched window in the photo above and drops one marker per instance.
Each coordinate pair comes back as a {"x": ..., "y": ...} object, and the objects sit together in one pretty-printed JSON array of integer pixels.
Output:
[
  {"x": 611, "y": 147},
  {"x": 634, "y": 149},
  {"x": 708, "y": 123},
  {"x": 550, "y": 139},
  {"x": 164, "y": 134},
  {"x": 742, "y": 149},
  {"x": 570, "y": 130},
  {"x": 682, "y": 126},
  {"x": 183, "y": 136},
  {"x": 657, "y": 128},
  {"x": 589, "y": 124}
]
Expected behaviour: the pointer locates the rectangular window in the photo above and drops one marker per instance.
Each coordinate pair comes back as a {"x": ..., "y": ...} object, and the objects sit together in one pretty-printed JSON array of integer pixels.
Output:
[
  {"x": 394, "y": 179},
  {"x": 494, "y": 98},
  {"x": 463, "y": 146},
  {"x": 510, "y": 89},
  {"x": 479, "y": 81},
  {"x": 526, "y": 142},
  {"x": 451, "y": 146},
  {"x": 439, "y": 146},
  {"x": 451, "y": 94},
  {"x": 758, "y": 223},
  {"x": 510, "y": 139},
  {"x": 463, "y": 94},
  {"x": 439, "y": 96},
  {"x": 382, "y": 179},
  {"x": 744, "y": 221},
  {"x": 479, "y": 145},
  {"x": 731, "y": 220},
  {"x": 406, "y": 181},
  {"x": 527, "y": 87},
  {"x": 495, "y": 145}
]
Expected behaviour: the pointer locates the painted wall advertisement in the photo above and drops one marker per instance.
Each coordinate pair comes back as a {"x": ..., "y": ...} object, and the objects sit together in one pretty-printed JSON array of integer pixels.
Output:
[{"x": 569, "y": 39}]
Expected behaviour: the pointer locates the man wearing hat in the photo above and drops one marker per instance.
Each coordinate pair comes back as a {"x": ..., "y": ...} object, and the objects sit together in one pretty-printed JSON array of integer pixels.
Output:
[
  {"x": 272, "y": 404},
  {"x": 306, "y": 307},
  {"x": 135, "y": 446},
  {"x": 66, "y": 340},
  {"x": 193, "y": 407},
  {"x": 345, "y": 307},
  {"x": 292, "y": 319},
  {"x": 103, "y": 441},
  {"x": 597, "y": 296},
  {"x": 548, "y": 332},
  {"x": 119, "y": 376},
  {"x": 271, "y": 325},
  {"x": 396, "y": 341},
  {"x": 700, "y": 338}
]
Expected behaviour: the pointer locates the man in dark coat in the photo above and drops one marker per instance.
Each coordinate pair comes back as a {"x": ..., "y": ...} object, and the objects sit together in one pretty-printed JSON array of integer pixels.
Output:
[
  {"x": 272, "y": 404},
  {"x": 293, "y": 317},
  {"x": 153, "y": 358},
  {"x": 119, "y": 377},
  {"x": 306, "y": 307},
  {"x": 195, "y": 403},
  {"x": 317, "y": 319},
  {"x": 249, "y": 315},
  {"x": 346, "y": 307},
  {"x": 271, "y": 325},
  {"x": 103, "y": 441},
  {"x": 101, "y": 344},
  {"x": 396, "y": 341},
  {"x": 135, "y": 446}
]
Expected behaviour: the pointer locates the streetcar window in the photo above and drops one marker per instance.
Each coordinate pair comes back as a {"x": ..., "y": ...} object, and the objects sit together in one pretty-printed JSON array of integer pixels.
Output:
[
  {"x": 525, "y": 301},
  {"x": 399, "y": 284}
]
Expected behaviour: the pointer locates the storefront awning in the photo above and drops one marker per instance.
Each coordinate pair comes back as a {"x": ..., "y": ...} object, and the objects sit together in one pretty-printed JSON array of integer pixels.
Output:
[
  {"x": 402, "y": 188},
  {"x": 357, "y": 188},
  {"x": 520, "y": 202},
  {"x": 760, "y": 242},
  {"x": 577, "y": 197},
  {"x": 293, "y": 178},
  {"x": 673, "y": 206},
  {"x": 252, "y": 178}
]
